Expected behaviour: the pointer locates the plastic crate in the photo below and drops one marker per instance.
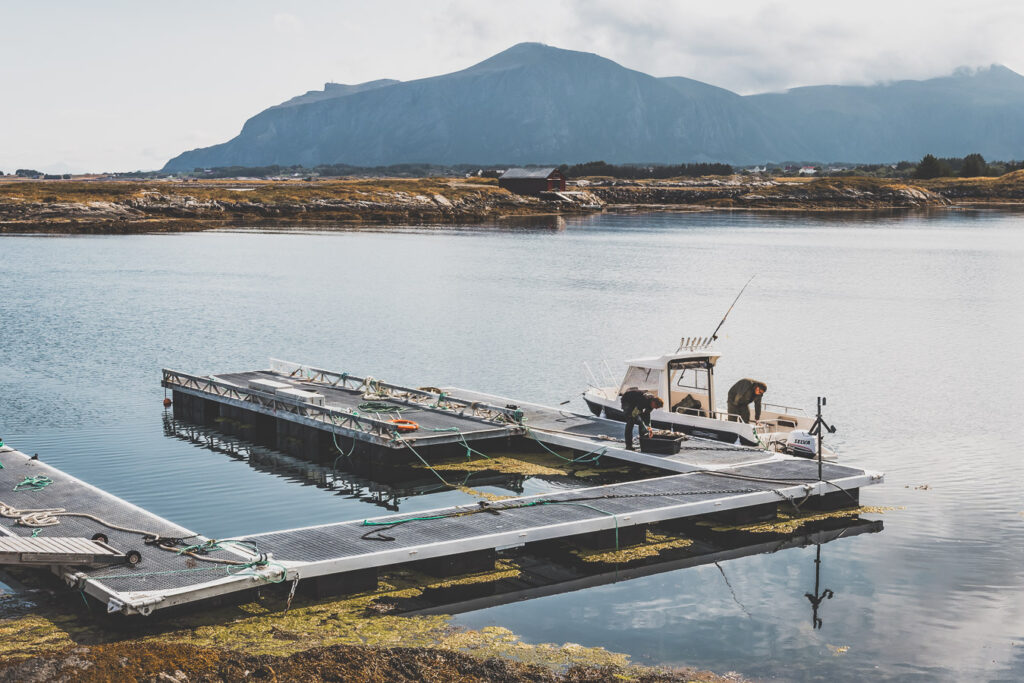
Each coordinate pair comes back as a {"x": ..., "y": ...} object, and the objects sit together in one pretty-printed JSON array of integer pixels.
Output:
[{"x": 661, "y": 445}]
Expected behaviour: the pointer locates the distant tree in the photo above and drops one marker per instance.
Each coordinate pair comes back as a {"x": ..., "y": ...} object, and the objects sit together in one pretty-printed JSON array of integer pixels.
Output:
[
  {"x": 930, "y": 167},
  {"x": 27, "y": 173},
  {"x": 634, "y": 171},
  {"x": 974, "y": 165}
]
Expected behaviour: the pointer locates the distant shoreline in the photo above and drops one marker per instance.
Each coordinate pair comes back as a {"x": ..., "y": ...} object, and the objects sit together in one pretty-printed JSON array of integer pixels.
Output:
[{"x": 133, "y": 207}]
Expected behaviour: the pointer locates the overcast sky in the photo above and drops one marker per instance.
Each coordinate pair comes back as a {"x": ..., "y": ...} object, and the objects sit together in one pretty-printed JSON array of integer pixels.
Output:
[{"x": 94, "y": 86}]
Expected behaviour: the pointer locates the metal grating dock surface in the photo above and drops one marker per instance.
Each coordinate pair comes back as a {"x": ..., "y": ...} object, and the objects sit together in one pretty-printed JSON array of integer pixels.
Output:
[
  {"x": 159, "y": 570},
  {"x": 392, "y": 539},
  {"x": 350, "y": 399}
]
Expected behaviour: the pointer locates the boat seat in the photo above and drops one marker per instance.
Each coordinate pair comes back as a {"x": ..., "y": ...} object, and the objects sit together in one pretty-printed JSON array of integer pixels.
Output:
[{"x": 690, "y": 405}]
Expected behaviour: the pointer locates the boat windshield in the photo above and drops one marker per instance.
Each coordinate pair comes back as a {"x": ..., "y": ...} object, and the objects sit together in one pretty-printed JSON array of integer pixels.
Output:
[
  {"x": 641, "y": 378},
  {"x": 691, "y": 378}
]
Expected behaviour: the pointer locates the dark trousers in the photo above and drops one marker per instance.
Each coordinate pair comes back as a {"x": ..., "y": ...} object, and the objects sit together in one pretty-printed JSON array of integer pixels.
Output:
[
  {"x": 631, "y": 420},
  {"x": 743, "y": 410}
]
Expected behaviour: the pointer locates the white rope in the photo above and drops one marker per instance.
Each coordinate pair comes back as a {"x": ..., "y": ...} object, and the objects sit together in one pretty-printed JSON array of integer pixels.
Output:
[
  {"x": 31, "y": 517},
  {"x": 48, "y": 517}
]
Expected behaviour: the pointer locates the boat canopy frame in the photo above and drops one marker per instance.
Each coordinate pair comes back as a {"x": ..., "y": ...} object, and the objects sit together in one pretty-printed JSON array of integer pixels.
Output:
[{"x": 704, "y": 364}]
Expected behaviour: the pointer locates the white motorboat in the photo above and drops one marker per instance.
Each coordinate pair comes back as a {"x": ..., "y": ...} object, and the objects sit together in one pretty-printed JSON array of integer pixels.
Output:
[{"x": 685, "y": 381}]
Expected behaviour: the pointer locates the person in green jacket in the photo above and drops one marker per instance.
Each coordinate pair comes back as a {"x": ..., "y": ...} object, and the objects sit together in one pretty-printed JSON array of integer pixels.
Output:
[
  {"x": 636, "y": 409},
  {"x": 742, "y": 394}
]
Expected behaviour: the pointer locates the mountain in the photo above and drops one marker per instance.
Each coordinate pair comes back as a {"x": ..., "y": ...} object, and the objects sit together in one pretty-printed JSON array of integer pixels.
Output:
[
  {"x": 970, "y": 111},
  {"x": 332, "y": 90},
  {"x": 537, "y": 104}
]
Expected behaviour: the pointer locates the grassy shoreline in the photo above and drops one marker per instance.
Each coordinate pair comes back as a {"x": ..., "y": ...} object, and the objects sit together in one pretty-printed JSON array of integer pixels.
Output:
[{"x": 128, "y": 207}]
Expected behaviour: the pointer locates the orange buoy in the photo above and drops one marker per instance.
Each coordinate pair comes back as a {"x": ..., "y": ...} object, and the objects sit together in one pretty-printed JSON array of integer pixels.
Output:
[
  {"x": 167, "y": 402},
  {"x": 405, "y": 425}
]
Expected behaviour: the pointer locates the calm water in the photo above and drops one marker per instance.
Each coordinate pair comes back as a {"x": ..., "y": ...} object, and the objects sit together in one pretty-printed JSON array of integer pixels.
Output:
[{"x": 911, "y": 326}]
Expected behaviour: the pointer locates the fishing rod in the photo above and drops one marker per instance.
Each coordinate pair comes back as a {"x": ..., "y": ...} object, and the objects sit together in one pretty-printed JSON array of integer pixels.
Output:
[
  {"x": 714, "y": 335},
  {"x": 699, "y": 341}
]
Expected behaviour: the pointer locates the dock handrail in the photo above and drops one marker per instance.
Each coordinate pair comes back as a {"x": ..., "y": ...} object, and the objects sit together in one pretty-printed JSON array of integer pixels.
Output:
[
  {"x": 339, "y": 420},
  {"x": 442, "y": 401}
]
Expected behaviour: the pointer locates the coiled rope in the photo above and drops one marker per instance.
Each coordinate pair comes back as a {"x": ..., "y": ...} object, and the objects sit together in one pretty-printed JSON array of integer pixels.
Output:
[
  {"x": 35, "y": 483},
  {"x": 39, "y": 518}
]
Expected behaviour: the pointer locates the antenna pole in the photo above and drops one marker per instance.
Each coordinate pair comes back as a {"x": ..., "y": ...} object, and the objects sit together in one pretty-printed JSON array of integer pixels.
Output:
[
  {"x": 820, "y": 401},
  {"x": 818, "y": 429},
  {"x": 714, "y": 335}
]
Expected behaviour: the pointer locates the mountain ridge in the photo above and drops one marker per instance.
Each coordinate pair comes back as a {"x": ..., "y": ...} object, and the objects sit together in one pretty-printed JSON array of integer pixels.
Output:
[{"x": 534, "y": 103}]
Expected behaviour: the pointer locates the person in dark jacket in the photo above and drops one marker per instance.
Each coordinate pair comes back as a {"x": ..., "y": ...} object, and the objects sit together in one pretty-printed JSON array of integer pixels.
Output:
[
  {"x": 637, "y": 406},
  {"x": 742, "y": 394}
]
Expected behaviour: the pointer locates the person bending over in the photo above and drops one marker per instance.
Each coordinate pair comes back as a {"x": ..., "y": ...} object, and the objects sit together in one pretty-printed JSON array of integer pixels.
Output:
[
  {"x": 637, "y": 406},
  {"x": 742, "y": 394}
]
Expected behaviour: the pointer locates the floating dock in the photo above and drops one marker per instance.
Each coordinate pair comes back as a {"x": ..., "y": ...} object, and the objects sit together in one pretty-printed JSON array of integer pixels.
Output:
[
  {"x": 315, "y": 413},
  {"x": 306, "y": 410}
]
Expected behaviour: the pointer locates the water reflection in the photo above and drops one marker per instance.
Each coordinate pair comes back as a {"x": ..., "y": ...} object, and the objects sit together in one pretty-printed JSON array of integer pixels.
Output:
[
  {"x": 553, "y": 568},
  {"x": 818, "y": 596},
  {"x": 392, "y": 485}
]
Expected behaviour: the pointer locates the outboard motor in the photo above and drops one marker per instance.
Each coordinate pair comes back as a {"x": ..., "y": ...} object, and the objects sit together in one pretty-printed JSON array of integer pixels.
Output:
[{"x": 801, "y": 443}]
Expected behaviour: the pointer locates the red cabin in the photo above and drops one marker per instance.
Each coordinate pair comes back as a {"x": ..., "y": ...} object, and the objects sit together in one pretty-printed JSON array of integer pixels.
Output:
[{"x": 532, "y": 181}]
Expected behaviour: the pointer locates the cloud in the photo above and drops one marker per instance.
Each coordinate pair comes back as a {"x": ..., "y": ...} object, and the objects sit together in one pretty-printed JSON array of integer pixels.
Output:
[
  {"x": 288, "y": 24},
  {"x": 232, "y": 59}
]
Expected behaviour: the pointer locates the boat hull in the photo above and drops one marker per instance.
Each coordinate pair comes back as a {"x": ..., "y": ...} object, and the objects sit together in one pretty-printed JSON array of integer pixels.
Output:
[{"x": 679, "y": 423}]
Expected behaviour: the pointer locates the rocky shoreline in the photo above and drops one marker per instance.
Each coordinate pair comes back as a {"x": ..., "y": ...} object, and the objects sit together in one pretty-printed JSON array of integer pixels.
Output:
[
  {"x": 117, "y": 207},
  {"x": 178, "y": 663},
  {"x": 160, "y": 206},
  {"x": 48, "y": 633}
]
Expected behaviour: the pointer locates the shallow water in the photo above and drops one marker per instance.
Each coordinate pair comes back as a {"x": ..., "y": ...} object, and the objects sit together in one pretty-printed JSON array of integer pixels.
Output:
[{"x": 910, "y": 325}]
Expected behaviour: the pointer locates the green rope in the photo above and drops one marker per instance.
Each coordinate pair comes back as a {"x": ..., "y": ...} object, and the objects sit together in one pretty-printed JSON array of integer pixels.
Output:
[
  {"x": 36, "y": 483},
  {"x": 214, "y": 545},
  {"x": 390, "y": 524},
  {"x": 380, "y": 407},
  {"x": 436, "y": 473},
  {"x": 341, "y": 453},
  {"x": 582, "y": 459},
  {"x": 241, "y": 570},
  {"x": 367, "y": 522},
  {"x": 244, "y": 571},
  {"x": 469, "y": 450},
  {"x": 36, "y": 533}
]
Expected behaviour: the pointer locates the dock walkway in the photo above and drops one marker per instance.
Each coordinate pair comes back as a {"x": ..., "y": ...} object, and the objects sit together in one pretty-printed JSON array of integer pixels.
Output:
[{"x": 168, "y": 577}]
